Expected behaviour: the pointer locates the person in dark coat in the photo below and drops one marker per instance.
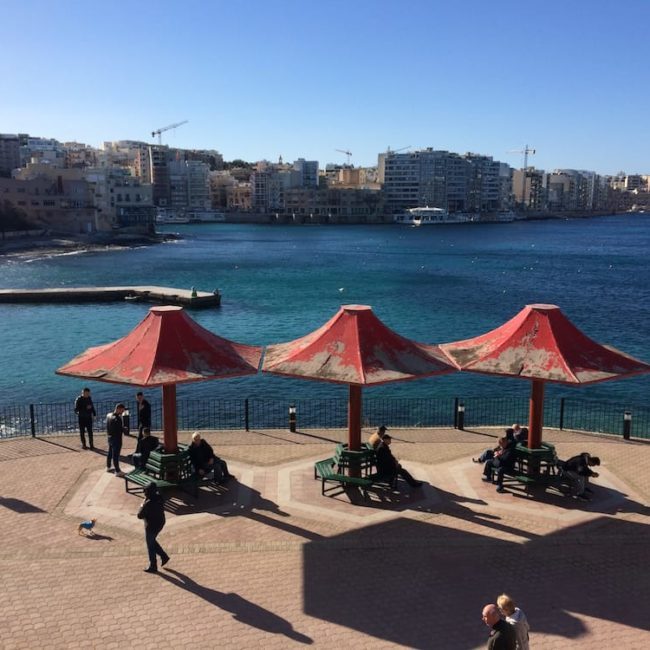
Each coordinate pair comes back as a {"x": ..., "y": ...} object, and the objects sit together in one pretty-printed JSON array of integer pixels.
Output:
[
  {"x": 85, "y": 410},
  {"x": 502, "y": 636},
  {"x": 204, "y": 459},
  {"x": 503, "y": 461},
  {"x": 153, "y": 512},
  {"x": 388, "y": 468},
  {"x": 144, "y": 413},
  {"x": 578, "y": 470},
  {"x": 114, "y": 432},
  {"x": 145, "y": 446}
]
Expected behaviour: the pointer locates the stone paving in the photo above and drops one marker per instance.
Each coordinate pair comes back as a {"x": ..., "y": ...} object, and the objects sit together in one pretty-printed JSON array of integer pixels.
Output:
[{"x": 266, "y": 561}]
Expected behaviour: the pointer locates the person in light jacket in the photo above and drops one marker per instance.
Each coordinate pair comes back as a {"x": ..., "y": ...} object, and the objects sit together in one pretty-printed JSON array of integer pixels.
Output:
[{"x": 517, "y": 619}]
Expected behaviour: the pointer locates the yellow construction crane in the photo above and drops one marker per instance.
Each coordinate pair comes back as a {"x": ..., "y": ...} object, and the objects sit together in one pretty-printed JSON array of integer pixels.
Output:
[
  {"x": 346, "y": 152},
  {"x": 161, "y": 130},
  {"x": 526, "y": 150}
]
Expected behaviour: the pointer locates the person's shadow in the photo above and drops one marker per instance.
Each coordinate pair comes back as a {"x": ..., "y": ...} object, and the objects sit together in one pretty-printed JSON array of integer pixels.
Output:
[{"x": 242, "y": 610}]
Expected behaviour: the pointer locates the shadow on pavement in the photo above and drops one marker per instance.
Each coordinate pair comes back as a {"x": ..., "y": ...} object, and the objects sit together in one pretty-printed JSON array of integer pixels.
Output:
[
  {"x": 242, "y": 610},
  {"x": 18, "y": 505},
  {"x": 423, "y": 585}
]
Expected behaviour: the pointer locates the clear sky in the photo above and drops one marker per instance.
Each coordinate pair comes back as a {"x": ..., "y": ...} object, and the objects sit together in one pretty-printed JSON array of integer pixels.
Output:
[{"x": 300, "y": 78}]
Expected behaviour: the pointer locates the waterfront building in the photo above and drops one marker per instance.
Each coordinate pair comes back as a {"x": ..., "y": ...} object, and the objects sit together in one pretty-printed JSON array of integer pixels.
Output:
[
  {"x": 442, "y": 179},
  {"x": 42, "y": 150},
  {"x": 529, "y": 188},
  {"x": 9, "y": 154},
  {"x": 333, "y": 205},
  {"x": 188, "y": 185}
]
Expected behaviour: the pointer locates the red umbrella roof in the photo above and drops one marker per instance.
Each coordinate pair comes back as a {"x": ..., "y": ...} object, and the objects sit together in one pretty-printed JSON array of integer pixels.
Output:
[
  {"x": 540, "y": 342},
  {"x": 167, "y": 347},
  {"x": 355, "y": 347}
]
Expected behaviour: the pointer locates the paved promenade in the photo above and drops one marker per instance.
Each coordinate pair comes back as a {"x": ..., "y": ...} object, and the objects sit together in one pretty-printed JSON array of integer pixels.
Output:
[{"x": 267, "y": 562}]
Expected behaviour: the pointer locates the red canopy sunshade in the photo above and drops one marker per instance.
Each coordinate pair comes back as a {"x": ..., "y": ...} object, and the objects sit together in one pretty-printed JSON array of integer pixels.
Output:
[
  {"x": 540, "y": 343},
  {"x": 355, "y": 348},
  {"x": 165, "y": 349}
]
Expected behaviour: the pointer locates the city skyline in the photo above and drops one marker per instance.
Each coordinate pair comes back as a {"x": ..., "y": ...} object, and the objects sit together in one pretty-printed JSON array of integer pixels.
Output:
[{"x": 291, "y": 79}]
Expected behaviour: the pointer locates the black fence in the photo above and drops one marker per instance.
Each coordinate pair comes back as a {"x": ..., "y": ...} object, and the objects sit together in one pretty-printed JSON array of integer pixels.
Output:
[{"x": 254, "y": 413}]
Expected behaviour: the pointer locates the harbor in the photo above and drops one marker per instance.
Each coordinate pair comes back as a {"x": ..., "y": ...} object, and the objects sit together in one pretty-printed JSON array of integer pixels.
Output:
[{"x": 190, "y": 298}]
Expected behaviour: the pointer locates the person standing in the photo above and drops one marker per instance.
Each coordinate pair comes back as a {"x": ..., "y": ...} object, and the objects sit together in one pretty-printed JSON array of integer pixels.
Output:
[
  {"x": 144, "y": 413},
  {"x": 85, "y": 410},
  {"x": 516, "y": 617},
  {"x": 152, "y": 511},
  {"x": 114, "y": 432},
  {"x": 502, "y": 635}
]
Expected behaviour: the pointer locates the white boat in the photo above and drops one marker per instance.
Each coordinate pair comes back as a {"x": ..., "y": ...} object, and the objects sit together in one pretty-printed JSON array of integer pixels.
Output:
[
  {"x": 429, "y": 217},
  {"x": 167, "y": 216}
]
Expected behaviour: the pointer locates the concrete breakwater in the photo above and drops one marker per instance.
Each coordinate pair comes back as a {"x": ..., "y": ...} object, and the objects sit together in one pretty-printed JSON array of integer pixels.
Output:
[{"x": 158, "y": 295}]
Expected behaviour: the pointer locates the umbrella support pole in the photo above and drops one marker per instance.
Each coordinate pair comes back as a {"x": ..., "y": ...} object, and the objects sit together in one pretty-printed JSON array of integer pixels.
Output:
[
  {"x": 170, "y": 426},
  {"x": 536, "y": 414},
  {"x": 354, "y": 425}
]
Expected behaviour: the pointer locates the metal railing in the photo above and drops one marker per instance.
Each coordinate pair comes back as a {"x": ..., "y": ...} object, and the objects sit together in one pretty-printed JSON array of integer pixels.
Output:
[{"x": 258, "y": 413}]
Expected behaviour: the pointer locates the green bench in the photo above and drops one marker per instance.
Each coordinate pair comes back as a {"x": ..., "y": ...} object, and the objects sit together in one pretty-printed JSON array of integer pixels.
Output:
[
  {"x": 325, "y": 470},
  {"x": 167, "y": 471}
]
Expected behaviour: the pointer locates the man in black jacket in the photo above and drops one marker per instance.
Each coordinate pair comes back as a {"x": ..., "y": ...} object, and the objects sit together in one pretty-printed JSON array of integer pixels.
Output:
[
  {"x": 205, "y": 461},
  {"x": 503, "y": 461},
  {"x": 114, "y": 431},
  {"x": 153, "y": 513},
  {"x": 388, "y": 468},
  {"x": 85, "y": 410},
  {"x": 578, "y": 470},
  {"x": 145, "y": 446},
  {"x": 502, "y": 636},
  {"x": 144, "y": 413}
]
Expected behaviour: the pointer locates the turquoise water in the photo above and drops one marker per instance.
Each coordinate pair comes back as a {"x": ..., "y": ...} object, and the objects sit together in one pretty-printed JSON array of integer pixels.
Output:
[{"x": 432, "y": 284}]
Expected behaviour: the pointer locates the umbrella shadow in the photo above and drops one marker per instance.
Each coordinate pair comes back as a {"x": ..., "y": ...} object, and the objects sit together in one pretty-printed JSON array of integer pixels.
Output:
[
  {"x": 242, "y": 610},
  {"x": 235, "y": 499},
  {"x": 19, "y": 506}
]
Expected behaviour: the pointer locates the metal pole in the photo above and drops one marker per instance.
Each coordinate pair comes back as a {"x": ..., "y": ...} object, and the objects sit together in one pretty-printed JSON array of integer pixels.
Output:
[
  {"x": 536, "y": 414},
  {"x": 455, "y": 413},
  {"x": 354, "y": 418},
  {"x": 32, "y": 420},
  {"x": 170, "y": 424},
  {"x": 246, "y": 421},
  {"x": 561, "y": 413},
  {"x": 627, "y": 424}
]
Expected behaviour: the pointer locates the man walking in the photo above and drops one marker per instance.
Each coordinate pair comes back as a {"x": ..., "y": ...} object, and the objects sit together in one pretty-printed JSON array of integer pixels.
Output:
[
  {"x": 85, "y": 410},
  {"x": 502, "y": 635},
  {"x": 153, "y": 513},
  {"x": 144, "y": 413},
  {"x": 114, "y": 431}
]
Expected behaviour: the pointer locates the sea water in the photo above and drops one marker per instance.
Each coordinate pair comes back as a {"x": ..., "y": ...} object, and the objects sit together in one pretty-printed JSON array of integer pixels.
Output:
[{"x": 432, "y": 284}]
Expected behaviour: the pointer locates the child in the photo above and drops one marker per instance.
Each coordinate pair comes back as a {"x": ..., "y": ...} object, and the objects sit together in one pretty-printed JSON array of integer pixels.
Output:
[{"x": 516, "y": 618}]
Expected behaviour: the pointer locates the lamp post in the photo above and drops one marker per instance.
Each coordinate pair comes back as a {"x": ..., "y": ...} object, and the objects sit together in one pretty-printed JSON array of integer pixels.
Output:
[
  {"x": 461, "y": 416},
  {"x": 627, "y": 424},
  {"x": 292, "y": 418}
]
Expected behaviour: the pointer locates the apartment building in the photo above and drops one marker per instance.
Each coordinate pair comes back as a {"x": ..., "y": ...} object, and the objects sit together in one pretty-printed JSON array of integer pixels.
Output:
[{"x": 9, "y": 153}]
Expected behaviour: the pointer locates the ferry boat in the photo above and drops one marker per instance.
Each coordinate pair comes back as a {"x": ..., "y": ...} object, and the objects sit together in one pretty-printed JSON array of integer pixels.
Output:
[
  {"x": 168, "y": 216},
  {"x": 429, "y": 217}
]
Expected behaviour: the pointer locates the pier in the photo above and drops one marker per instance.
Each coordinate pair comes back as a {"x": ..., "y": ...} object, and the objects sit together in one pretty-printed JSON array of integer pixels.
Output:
[{"x": 159, "y": 295}]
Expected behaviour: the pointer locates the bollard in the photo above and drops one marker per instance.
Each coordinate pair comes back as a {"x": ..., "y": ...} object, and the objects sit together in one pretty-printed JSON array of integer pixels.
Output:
[
  {"x": 460, "y": 421},
  {"x": 32, "y": 420},
  {"x": 627, "y": 424},
  {"x": 292, "y": 418},
  {"x": 126, "y": 422}
]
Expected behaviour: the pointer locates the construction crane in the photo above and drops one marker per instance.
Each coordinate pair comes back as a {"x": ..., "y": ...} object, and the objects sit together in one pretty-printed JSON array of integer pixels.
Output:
[
  {"x": 347, "y": 153},
  {"x": 389, "y": 150},
  {"x": 526, "y": 150},
  {"x": 160, "y": 131}
]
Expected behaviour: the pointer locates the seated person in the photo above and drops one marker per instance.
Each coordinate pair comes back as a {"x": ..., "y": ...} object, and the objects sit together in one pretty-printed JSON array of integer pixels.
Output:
[
  {"x": 488, "y": 454},
  {"x": 388, "y": 468},
  {"x": 145, "y": 446},
  {"x": 377, "y": 437},
  {"x": 578, "y": 470},
  {"x": 205, "y": 461},
  {"x": 522, "y": 436},
  {"x": 503, "y": 461}
]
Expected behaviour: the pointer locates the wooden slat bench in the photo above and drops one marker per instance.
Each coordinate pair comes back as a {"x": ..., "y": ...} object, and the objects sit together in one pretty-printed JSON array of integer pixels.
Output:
[{"x": 325, "y": 470}]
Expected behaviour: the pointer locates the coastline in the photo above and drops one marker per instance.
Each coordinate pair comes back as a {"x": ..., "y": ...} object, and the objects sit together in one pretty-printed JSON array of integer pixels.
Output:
[{"x": 51, "y": 244}]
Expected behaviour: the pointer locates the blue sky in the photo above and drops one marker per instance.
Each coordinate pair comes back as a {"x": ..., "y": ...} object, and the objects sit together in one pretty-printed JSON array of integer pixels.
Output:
[{"x": 260, "y": 79}]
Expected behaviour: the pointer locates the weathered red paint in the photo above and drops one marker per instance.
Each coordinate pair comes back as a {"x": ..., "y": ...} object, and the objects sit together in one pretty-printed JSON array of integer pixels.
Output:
[
  {"x": 170, "y": 422},
  {"x": 166, "y": 348},
  {"x": 354, "y": 347},
  {"x": 542, "y": 344},
  {"x": 536, "y": 414}
]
